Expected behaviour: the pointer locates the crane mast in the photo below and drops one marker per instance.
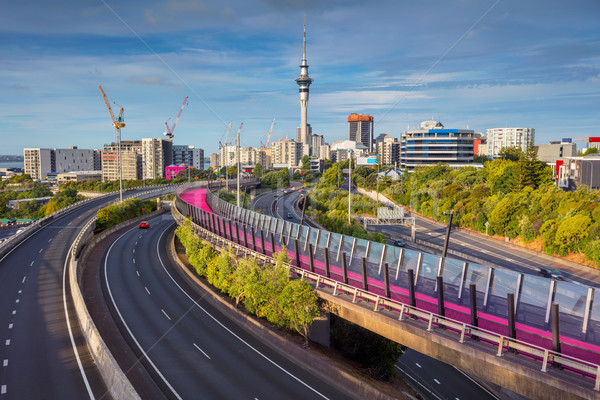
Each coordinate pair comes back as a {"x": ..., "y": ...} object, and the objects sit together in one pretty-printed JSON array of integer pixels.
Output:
[
  {"x": 170, "y": 130},
  {"x": 117, "y": 124}
]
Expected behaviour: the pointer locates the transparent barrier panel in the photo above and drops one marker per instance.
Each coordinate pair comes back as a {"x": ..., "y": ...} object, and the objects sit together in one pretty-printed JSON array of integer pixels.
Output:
[
  {"x": 334, "y": 246},
  {"x": 323, "y": 242},
  {"x": 571, "y": 299},
  {"x": 504, "y": 282},
  {"x": 360, "y": 250},
  {"x": 534, "y": 291},
  {"x": 347, "y": 247},
  {"x": 411, "y": 258},
  {"x": 452, "y": 274},
  {"x": 375, "y": 255},
  {"x": 312, "y": 238},
  {"x": 477, "y": 274}
]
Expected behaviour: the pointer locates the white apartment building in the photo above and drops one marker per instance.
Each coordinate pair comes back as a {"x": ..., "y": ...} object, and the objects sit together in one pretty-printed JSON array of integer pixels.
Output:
[
  {"x": 131, "y": 155},
  {"x": 287, "y": 151},
  {"x": 157, "y": 154},
  {"x": 497, "y": 138},
  {"x": 389, "y": 149}
]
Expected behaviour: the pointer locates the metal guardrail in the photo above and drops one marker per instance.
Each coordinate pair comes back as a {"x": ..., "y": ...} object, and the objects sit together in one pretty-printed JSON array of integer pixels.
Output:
[{"x": 502, "y": 343}]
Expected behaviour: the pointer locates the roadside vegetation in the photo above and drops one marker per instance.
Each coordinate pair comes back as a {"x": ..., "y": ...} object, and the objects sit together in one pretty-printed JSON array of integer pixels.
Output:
[
  {"x": 122, "y": 211},
  {"x": 513, "y": 196},
  {"x": 267, "y": 292},
  {"x": 23, "y": 187}
]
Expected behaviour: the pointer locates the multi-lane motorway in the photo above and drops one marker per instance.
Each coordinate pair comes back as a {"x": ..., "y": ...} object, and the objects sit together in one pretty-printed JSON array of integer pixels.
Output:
[
  {"x": 37, "y": 338},
  {"x": 197, "y": 351}
]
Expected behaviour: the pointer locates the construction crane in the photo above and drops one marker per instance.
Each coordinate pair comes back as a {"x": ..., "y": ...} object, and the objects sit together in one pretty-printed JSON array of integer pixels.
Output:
[
  {"x": 117, "y": 124},
  {"x": 268, "y": 144},
  {"x": 226, "y": 136},
  {"x": 169, "y": 132}
]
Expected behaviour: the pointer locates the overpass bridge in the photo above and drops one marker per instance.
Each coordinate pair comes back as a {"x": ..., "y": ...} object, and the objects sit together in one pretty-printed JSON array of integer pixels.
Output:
[{"x": 532, "y": 335}]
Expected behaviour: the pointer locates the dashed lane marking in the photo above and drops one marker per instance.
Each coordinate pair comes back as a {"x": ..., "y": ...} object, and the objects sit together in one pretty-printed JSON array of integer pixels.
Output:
[
  {"x": 436, "y": 381},
  {"x": 8, "y": 342},
  {"x": 147, "y": 290},
  {"x": 138, "y": 273},
  {"x": 42, "y": 249},
  {"x": 196, "y": 346},
  {"x": 166, "y": 315},
  {"x": 5, "y": 363},
  {"x": 31, "y": 265},
  {"x": 418, "y": 365},
  {"x": 10, "y": 326}
]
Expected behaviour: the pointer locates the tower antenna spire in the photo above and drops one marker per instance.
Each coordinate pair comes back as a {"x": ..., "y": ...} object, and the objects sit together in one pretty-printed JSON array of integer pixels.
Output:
[{"x": 303, "y": 81}]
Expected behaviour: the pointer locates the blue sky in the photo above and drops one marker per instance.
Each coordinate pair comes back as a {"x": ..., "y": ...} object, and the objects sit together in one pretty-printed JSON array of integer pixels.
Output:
[{"x": 475, "y": 63}]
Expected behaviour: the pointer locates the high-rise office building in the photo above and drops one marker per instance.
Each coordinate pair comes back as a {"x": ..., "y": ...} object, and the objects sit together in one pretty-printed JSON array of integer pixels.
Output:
[
  {"x": 497, "y": 138},
  {"x": 303, "y": 82},
  {"x": 360, "y": 129}
]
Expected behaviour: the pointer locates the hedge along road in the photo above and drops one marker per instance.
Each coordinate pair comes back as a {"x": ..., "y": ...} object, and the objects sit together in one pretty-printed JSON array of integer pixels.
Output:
[{"x": 198, "y": 351}]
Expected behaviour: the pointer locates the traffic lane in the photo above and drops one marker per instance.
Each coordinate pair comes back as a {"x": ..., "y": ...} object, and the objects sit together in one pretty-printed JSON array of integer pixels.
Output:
[
  {"x": 510, "y": 255},
  {"x": 39, "y": 346},
  {"x": 490, "y": 252},
  {"x": 172, "y": 329},
  {"x": 437, "y": 380}
]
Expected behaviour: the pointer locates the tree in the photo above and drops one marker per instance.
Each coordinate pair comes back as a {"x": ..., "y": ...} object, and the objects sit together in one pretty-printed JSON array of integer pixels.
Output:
[
  {"x": 305, "y": 162},
  {"x": 511, "y": 153},
  {"x": 258, "y": 171},
  {"x": 299, "y": 303},
  {"x": 570, "y": 232}
]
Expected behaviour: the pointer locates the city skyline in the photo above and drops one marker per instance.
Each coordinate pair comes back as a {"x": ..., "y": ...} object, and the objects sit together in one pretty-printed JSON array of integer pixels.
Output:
[{"x": 468, "y": 63}]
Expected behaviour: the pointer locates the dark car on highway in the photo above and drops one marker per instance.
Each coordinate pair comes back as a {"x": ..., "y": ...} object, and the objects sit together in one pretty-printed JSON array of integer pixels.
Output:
[{"x": 553, "y": 273}]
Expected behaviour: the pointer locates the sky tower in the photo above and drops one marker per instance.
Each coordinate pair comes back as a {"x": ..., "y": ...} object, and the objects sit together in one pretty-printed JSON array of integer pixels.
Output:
[{"x": 303, "y": 82}]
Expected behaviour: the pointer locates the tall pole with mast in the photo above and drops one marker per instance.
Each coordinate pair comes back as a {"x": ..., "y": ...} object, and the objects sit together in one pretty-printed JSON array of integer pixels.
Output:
[{"x": 238, "y": 164}]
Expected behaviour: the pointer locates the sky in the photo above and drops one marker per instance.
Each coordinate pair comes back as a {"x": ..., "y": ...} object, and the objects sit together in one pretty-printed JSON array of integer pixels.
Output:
[{"x": 475, "y": 64}]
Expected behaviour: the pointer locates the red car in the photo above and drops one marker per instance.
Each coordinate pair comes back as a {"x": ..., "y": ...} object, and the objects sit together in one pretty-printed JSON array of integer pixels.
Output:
[{"x": 144, "y": 225}]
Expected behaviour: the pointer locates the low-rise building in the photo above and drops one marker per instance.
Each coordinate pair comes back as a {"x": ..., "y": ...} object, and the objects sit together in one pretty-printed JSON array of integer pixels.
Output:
[{"x": 79, "y": 176}]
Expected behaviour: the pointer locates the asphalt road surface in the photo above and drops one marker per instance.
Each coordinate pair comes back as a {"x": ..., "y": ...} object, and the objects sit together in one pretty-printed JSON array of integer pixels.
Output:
[
  {"x": 198, "y": 352},
  {"x": 36, "y": 343}
]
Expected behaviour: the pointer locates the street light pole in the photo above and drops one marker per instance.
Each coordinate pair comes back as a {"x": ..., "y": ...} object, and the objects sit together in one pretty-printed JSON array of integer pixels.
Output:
[
  {"x": 378, "y": 155},
  {"x": 349, "y": 184}
]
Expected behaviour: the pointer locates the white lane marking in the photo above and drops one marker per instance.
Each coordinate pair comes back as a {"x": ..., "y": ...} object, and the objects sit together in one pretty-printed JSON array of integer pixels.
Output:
[
  {"x": 227, "y": 329},
  {"x": 138, "y": 273},
  {"x": 5, "y": 363},
  {"x": 136, "y": 242},
  {"x": 147, "y": 289},
  {"x": 133, "y": 251},
  {"x": 14, "y": 312},
  {"x": 8, "y": 342},
  {"x": 196, "y": 346},
  {"x": 3, "y": 390},
  {"x": 418, "y": 365},
  {"x": 10, "y": 326},
  {"x": 134, "y": 260},
  {"x": 31, "y": 265},
  {"x": 166, "y": 315},
  {"x": 75, "y": 351},
  {"x": 20, "y": 291},
  {"x": 436, "y": 381},
  {"x": 16, "y": 301},
  {"x": 23, "y": 281},
  {"x": 477, "y": 383},
  {"x": 42, "y": 249},
  {"x": 49, "y": 240}
]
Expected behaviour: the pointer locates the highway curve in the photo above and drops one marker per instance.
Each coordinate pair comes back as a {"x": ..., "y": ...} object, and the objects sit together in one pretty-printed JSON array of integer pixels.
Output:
[
  {"x": 195, "y": 350},
  {"x": 36, "y": 348}
]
